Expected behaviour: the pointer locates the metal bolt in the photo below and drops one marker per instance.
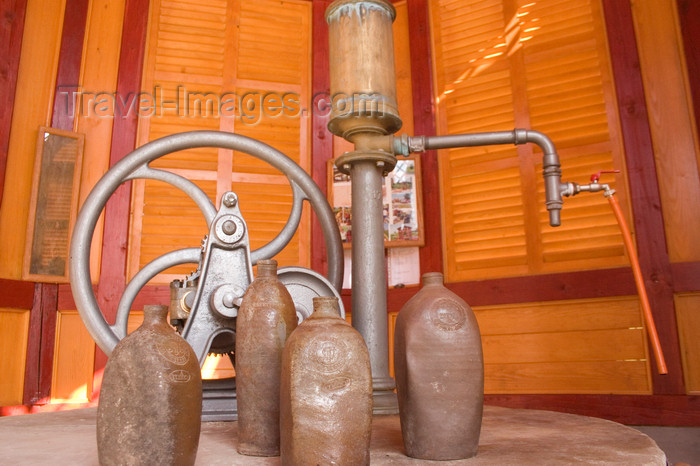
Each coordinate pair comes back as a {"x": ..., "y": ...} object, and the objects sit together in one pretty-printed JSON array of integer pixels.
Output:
[
  {"x": 230, "y": 200},
  {"x": 227, "y": 300},
  {"x": 229, "y": 227},
  {"x": 186, "y": 301}
]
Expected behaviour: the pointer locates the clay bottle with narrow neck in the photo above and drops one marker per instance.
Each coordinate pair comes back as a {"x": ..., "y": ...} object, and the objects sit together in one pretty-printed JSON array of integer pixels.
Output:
[
  {"x": 439, "y": 374},
  {"x": 326, "y": 391},
  {"x": 150, "y": 404},
  {"x": 265, "y": 320}
]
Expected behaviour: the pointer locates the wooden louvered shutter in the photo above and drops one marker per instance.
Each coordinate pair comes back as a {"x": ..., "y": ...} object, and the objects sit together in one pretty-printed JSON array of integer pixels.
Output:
[
  {"x": 501, "y": 64},
  {"x": 203, "y": 59}
]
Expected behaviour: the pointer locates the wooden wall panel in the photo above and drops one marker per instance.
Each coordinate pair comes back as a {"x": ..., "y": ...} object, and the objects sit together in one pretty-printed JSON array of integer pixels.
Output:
[
  {"x": 576, "y": 346},
  {"x": 671, "y": 120},
  {"x": 74, "y": 357},
  {"x": 402, "y": 66},
  {"x": 321, "y": 141},
  {"x": 628, "y": 377},
  {"x": 32, "y": 109},
  {"x": 98, "y": 78},
  {"x": 424, "y": 124},
  {"x": 14, "y": 330},
  {"x": 688, "y": 318}
]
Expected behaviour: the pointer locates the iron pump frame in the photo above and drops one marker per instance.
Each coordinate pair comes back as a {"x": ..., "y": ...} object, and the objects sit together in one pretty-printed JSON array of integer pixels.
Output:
[{"x": 364, "y": 111}]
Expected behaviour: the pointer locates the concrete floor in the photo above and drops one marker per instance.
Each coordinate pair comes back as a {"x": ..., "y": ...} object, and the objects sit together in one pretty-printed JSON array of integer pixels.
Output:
[{"x": 681, "y": 444}]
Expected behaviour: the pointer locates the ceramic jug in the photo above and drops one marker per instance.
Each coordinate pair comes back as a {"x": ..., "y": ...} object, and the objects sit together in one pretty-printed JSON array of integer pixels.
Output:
[
  {"x": 265, "y": 320},
  {"x": 326, "y": 391},
  {"x": 150, "y": 403},
  {"x": 439, "y": 370}
]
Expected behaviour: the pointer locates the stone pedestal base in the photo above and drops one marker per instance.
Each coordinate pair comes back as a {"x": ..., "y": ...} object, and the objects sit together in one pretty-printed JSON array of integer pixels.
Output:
[
  {"x": 385, "y": 402},
  {"x": 508, "y": 436}
]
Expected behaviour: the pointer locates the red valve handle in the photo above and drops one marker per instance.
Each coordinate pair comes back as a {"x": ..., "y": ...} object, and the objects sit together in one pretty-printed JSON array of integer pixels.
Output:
[{"x": 596, "y": 176}]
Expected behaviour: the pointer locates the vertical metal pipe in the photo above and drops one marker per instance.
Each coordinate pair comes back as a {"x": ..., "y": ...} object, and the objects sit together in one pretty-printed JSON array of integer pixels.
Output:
[
  {"x": 364, "y": 109},
  {"x": 369, "y": 302}
]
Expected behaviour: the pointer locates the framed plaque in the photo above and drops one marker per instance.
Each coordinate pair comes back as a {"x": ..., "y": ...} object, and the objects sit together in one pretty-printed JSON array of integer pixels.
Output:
[{"x": 53, "y": 204}]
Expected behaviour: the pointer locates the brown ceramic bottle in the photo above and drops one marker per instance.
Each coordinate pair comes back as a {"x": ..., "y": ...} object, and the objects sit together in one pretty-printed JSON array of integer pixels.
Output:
[
  {"x": 439, "y": 374},
  {"x": 326, "y": 391},
  {"x": 265, "y": 320},
  {"x": 150, "y": 403}
]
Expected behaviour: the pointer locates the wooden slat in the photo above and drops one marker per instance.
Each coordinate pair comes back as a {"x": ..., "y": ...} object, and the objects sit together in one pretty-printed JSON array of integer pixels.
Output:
[
  {"x": 621, "y": 377},
  {"x": 14, "y": 327},
  {"x": 99, "y": 74},
  {"x": 582, "y": 346},
  {"x": 73, "y": 360},
  {"x": 560, "y": 316},
  {"x": 321, "y": 146},
  {"x": 392, "y": 327},
  {"x": 402, "y": 65},
  {"x": 688, "y": 315},
  {"x": 33, "y": 98},
  {"x": 585, "y": 345},
  {"x": 170, "y": 221}
]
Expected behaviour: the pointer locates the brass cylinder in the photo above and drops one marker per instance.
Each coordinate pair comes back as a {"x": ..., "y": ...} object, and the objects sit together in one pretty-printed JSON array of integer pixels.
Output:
[{"x": 363, "y": 81}]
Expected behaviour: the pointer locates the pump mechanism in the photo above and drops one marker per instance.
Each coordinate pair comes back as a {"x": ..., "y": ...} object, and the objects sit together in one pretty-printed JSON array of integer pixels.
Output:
[{"x": 364, "y": 111}]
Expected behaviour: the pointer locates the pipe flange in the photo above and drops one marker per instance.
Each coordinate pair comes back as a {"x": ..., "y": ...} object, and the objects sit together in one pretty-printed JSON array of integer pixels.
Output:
[
  {"x": 385, "y": 160},
  {"x": 344, "y": 6}
]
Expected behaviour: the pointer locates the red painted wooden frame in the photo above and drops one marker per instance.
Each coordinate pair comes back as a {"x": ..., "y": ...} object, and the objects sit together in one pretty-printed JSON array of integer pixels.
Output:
[
  {"x": 321, "y": 138},
  {"x": 116, "y": 228},
  {"x": 644, "y": 190},
  {"x": 689, "y": 15},
  {"x": 12, "y": 18}
]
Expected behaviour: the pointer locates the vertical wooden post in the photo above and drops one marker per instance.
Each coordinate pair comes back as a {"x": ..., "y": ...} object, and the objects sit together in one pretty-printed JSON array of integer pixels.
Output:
[
  {"x": 116, "y": 229},
  {"x": 644, "y": 189},
  {"x": 424, "y": 125},
  {"x": 689, "y": 15},
  {"x": 12, "y": 27},
  {"x": 69, "y": 61},
  {"x": 321, "y": 139}
]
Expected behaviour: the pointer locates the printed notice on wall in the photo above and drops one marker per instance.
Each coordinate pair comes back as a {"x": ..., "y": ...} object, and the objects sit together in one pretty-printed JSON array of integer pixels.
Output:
[{"x": 404, "y": 266}]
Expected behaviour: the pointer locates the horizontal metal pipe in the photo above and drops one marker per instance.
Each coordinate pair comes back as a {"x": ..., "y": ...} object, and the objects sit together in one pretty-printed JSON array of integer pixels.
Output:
[
  {"x": 550, "y": 164},
  {"x": 470, "y": 140}
]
